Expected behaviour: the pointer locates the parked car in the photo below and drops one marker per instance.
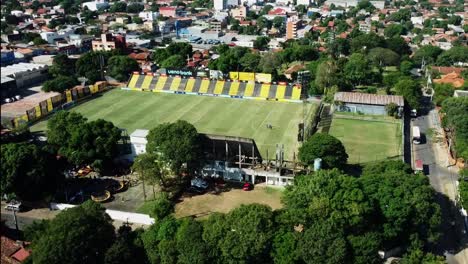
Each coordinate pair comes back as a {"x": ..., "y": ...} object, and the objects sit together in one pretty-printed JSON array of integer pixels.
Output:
[
  {"x": 247, "y": 186},
  {"x": 14, "y": 206},
  {"x": 199, "y": 183}
]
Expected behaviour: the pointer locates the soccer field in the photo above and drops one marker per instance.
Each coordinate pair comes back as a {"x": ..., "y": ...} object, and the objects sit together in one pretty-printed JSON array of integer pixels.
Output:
[
  {"x": 213, "y": 115},
  {"x": 367, "y": 141}
]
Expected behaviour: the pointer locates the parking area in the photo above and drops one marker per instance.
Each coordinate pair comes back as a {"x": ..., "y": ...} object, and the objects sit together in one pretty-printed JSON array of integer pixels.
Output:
[
  {"x": 202, "y": 205},
  {"x": 30, "y": 98}
]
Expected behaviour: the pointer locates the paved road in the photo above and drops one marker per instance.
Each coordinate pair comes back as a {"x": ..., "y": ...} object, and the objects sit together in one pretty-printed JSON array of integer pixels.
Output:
[{"x": 442, "y": 178}]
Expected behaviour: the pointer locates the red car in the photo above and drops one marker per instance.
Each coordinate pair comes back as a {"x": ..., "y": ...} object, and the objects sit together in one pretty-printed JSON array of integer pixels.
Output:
[{"x": 247, "y": 186}]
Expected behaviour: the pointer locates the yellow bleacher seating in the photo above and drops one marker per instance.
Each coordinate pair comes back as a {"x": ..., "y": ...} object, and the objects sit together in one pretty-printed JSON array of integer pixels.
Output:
[
  {"x": 204, "y": 86},
  {"x": 175, "y": 84},
  {"x": 265, "y": 89},
  {"x": 190, "y": 84},
  {"x": 280, "y": 91},
  {"x": 234, "y": 88},
  {"x": 160, "y": 84},
  {"x": 219, "y": 87},
  {"x": 296, "y": 94},
  {"x": 133, "y": 80},
  {"x": 249, "y": 89},
  {"x": 146, "y": 82}
]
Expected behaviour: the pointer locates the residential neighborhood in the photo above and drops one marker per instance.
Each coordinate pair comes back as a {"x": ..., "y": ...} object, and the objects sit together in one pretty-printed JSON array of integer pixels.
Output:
[{"x": 234, "y": 131}]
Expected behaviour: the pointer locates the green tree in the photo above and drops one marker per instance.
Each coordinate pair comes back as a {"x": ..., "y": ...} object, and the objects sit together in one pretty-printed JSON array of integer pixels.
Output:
[
  {"x": 325, "y": 147},
  {"x": 180, "y": 48},
  {"x": 261, "y": 43},
  {"x": 323, "y": 243},
  {"x": 398, "y": 45},
  {"x": 366, "y": 42},
  {"x": 38, "y": 41},
  {"x": 326, "y": 75},
  {"x": 279, "y": 22},
  {"x": 120, "y": 67},
  {"x": 383, "y": 57},
  {"x": 250, "y": 62},
  {"x": 118, "y": 7},
  {"x": 135, "y": 8},
  {"x": 87, "y": 225},
  {"x": 82, "y": 142},
  {"x": 453, "y": 55},
  {"x": 174, "y": 61},
  {"x": 189, "y": 242},
  {"x": 177, "y": 143},
  {"x": 269, "y": 63},
  {"x": 406, "y": 203},
  {"x": 406, "y": 67},
  {"x": 90, "y": 65},
  {"x": 248, "y": 238},
  {"x": 59, "y": 84},
  {"x": 286, "y": 247},
  {"x": 394, "y": 30},
  {"x": 429, "y": 53},
  {"x": 455, "y": 119},
  {"x": 442, "y": 92},
  {"x": 463, "y": 189},
  {"x": 417, "y": 256},
  {"x": 411, "y": 91},
  {"x": 27, "y": 171},
  {"x": 392, "y": 109},
  {"x": 62, "y": 65},
  {"x": 357, "y": 70},
  {"x": 214, "y": 229}
]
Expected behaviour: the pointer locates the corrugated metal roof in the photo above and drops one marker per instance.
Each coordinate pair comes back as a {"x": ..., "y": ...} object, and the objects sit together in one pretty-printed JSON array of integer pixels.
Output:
[{"x": 370, "y": 99}]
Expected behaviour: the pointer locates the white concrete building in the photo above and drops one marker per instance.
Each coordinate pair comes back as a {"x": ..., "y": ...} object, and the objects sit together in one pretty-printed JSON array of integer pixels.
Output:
[
  {"x": 303, "y": 2},
  {"x": 25, "y": 74},
  {"x": 148, "y": 16},
  {"x": 96, "y": 5},
  {"x": 219, "y": 4},
  {"x": 50, "y": 37},
  {"x": 138, "y": 141}
]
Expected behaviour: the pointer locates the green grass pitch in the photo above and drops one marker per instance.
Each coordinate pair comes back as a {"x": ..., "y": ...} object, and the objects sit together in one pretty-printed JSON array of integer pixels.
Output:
[
  {"x": 214, "y": 115},
  {"x": 367, "y": 141}
]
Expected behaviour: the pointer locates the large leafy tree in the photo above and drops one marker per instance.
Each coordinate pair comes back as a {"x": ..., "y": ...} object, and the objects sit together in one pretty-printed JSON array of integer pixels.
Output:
[
  {"x": 358, "y": 70},
  {"x": 174, "y": 61},
  {"x": 456, "y": 119},
  {"x": 322, "y": 242},
  {"x": 427, "y": 53},
  {"x": 120, "y": 67},
  {"x": 325, "y": 147},
  {"x": 27, "y": 171},
  {"x": 59, "y": 84},
  {"x": 91, "y": 64},
  {"x": 78, "y": 235},
  {"x": 177, "y": 143},
  {"x": 190, "y": 245},
  {"x": 82, "y": 142},
  {"x": 411, "y": 91},
  {"x": 250, "y": 62},
  {"x": 401, "y": 214},
  {"x": 383, "y": 57},
  {"x": 366, "y": 42},
  {"x": 248, "y": 238},
  {"x": 62, "y": 65},
  {"x": 453, "y": 55},
  {"x": 329, "y": 195}
]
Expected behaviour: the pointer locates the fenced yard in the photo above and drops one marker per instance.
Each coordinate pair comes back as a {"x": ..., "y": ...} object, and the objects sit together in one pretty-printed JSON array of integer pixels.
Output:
[{"x": 368, "y": 139}]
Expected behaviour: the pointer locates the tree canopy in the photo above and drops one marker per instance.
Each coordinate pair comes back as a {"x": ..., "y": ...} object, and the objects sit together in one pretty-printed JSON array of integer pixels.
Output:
[
  {"x": 325, "y": 147},
  {"x": 120, "y": 67},
  {"x": 456, "y": 119},
  {"x": 177, "y": 143},
  {"x": 411, "y": 91},
  {"x": 78, "y": 235},
  {"x": 27, "y": 171},
  {"x": 82, "y": 142}
]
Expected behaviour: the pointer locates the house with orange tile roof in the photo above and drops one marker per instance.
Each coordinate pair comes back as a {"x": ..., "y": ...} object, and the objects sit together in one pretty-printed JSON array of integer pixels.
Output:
[{"x": 13, "y": 252}]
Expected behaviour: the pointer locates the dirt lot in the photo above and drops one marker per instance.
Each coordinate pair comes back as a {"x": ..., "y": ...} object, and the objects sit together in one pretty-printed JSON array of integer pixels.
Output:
[
  {"x": 203, "y": 205},
  {"x": 31, "y": 97}
]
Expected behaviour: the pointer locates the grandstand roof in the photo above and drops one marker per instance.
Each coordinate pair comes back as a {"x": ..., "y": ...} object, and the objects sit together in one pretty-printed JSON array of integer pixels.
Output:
[
  {"x": 369, "y": 99},
  {"x": 11, "y": 70}
]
